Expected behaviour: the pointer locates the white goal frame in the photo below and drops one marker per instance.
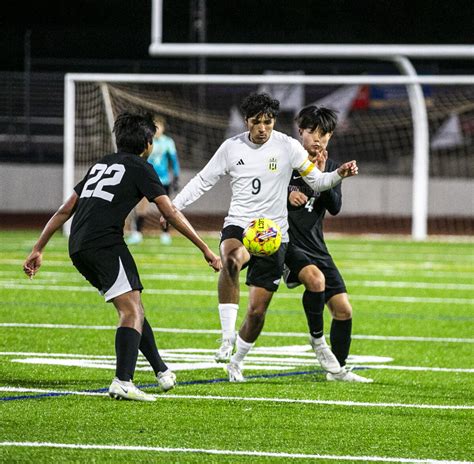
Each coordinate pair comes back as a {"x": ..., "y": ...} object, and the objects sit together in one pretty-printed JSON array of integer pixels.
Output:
[{"x": 412, "y": 81}]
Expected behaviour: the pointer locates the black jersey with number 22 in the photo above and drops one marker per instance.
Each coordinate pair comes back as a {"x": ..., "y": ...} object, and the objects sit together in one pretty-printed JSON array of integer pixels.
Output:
[{"x": 109, "y": 191}]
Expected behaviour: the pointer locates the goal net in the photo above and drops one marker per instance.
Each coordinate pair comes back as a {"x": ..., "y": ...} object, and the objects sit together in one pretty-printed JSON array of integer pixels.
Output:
[{"x": 375, "y": 128}]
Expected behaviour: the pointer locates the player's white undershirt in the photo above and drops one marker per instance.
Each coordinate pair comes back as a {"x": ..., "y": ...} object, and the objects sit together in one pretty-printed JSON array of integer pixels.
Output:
[{"x": 260, "y": 175}]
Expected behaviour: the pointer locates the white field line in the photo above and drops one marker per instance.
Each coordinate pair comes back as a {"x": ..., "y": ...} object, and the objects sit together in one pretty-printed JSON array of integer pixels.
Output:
[
  {"x": 425, "y": 273},
  {"x": 224, "y": 452},
  {"x": 395, "y": 338},
  {"x": 363, "y": 404},
  {"x": 213, "y": 293},
  {"x": 340, "y": 255},
  {"x": 335, "y": 245},
  {"x": 433, "y": 269},
  {"x": 420, "y": 259},
  {"x": 46, "y": 391},
  {"x": 416, "y": 368},
  {"x": 390, "y": 254},
  {"x": 57, "y": 277},
  {"x": 270, "y": 361}
]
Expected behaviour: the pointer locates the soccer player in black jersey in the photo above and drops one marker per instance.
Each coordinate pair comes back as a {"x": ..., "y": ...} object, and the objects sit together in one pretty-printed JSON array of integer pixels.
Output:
[
  {"x": 100, "y": 203},
  {"x": 308, "y": 260}
]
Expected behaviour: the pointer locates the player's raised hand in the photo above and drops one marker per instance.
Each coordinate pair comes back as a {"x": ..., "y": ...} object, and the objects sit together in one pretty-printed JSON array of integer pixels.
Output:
[
  {"x": 164, "y": 223},
  {"x": 348, "y": 169},
  {"x": 32, "y": 263},
  {"x": 320, "y": 159}
]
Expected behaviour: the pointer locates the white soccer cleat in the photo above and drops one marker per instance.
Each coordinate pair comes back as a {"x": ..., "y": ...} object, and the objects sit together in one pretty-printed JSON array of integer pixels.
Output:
[
  {"x": 165, "y": 238},
  {"x": 166, "y": 380},
  {"x": 134, "y": 238},
  {"x": 234, "y": 370},
  {"x": 346, "y": 375},
  {"x": 225, "y": 351},
  {"x": 325, "y": 356},
  {"x": 121, "y": 390}
]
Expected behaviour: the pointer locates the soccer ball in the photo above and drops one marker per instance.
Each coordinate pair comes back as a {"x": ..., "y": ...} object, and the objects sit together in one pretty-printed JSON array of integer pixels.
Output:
[{"x": 262, "y": 237}]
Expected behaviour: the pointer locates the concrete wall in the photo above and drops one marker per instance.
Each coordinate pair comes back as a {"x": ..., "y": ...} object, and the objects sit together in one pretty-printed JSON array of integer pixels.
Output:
[{"x": 38, "y": 189}]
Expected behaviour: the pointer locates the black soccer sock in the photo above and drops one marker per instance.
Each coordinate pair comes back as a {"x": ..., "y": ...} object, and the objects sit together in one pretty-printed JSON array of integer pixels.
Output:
[
  {"x": 127, "y": 341},
  {"x": 150, "y": 350},
  {"x": 140, "y": 221},
  {"x": 341, "y": 339},
  {"x": 313, "y": 304}
]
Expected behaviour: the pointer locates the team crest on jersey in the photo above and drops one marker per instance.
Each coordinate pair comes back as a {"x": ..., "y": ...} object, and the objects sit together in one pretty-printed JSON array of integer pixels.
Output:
[{"x": 272, "y": 164}]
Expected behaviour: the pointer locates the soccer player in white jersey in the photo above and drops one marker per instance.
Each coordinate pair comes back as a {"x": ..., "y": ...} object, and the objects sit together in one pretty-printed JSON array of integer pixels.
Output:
[{"x": 260, "y": 163}]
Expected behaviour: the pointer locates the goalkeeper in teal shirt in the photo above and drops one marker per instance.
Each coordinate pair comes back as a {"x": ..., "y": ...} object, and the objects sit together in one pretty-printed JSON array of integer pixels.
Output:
[{"x": 164, "y": 160}]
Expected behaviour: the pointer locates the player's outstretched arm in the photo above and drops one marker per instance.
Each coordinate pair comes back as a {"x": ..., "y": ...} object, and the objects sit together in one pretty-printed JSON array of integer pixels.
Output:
[
  {"x": 177, "y": 219},
  {"x": 64, "y": 212}
]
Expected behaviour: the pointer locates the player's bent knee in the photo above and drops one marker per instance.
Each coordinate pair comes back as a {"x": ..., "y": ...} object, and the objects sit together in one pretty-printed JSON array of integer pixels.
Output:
[
  {"x": 312, "y": 278},
  {"x": 342, "y": 314},
  {"x": 256, "y": 313},
  {"x": 232, "y": 263}
]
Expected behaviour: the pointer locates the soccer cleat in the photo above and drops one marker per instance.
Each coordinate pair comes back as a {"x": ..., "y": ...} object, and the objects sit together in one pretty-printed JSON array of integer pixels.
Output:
[
  {"x": 234, "y": 370},
  {"x": 325, "y": 356},
  {"x": 165, "y": 238},
  {"x": 225, "y": 351},
  {"x": 121, "y": 390},
  {"x": 346, "y": 375},
  {"x": 134, "y": 238},
  {"x": 166, "y": 380}
]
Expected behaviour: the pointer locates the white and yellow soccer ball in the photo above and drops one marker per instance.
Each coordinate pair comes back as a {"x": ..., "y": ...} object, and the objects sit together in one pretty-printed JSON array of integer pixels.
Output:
[{"x": 262, "y": 237}]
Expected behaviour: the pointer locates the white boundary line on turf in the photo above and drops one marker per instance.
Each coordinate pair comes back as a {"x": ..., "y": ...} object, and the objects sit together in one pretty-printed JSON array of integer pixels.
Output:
[
  {"x": 393, "y": 338},
  {"x": 224, "y": 452},
  {"x": 58, "y": 276},
  {"x": 43, "y": 390},
  {"x": 363, "y": 404},
  {"x": 255, "y": 362},
  {"x": 213, "y": 293}
]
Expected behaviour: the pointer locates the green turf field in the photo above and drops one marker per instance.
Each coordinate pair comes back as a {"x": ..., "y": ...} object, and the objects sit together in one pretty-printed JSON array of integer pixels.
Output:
[{"x": 413, "y": 334}]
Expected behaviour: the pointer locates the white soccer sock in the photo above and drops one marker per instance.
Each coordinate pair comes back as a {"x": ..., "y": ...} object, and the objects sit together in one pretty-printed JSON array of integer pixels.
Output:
[
  {"x": 242, "y": 348},
  {"x": 228, "y": 317}
]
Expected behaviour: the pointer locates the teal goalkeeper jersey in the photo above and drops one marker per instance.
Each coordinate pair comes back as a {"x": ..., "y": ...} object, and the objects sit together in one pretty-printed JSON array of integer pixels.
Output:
[{"x": 163, "y": 157}]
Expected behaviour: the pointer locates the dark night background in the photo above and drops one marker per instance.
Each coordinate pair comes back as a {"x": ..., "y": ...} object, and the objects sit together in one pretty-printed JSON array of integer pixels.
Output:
[
  {"x": 41, "y": 41},
  {"x": 114, "y": 35}
]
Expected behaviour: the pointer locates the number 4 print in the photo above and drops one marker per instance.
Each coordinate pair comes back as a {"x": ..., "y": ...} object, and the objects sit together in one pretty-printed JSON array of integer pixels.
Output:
[
  {"x": 115, "y": 173},
  {"x": 309, "y": 205}
]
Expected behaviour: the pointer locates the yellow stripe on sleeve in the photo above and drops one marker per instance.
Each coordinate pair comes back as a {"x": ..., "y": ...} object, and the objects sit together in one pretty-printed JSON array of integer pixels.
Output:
[{"x": 309, "y": 167}]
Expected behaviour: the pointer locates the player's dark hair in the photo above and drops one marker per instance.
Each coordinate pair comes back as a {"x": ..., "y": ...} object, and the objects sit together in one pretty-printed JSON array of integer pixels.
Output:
[
  {"x": 133, "y": 132},
  {"x": 312, "y": 117},
  {"x": 259, "y": 103}
]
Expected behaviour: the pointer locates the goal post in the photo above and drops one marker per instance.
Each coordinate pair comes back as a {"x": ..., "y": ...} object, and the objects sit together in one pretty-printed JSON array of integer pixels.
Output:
[{"x": 389, "y": 136}]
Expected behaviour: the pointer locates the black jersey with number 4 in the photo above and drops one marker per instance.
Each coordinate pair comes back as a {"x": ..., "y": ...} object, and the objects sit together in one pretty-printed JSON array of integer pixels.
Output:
[
  {"x": 306, "y": 222},
  {"x": 109, "y": 191}
]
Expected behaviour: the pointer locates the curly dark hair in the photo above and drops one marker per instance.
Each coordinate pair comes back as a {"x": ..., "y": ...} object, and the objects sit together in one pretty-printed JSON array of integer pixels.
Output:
[
  {"x": 312, "y": 117},
  {"x": 134, "y": 131},
  {"x": 260, "y": 103}
]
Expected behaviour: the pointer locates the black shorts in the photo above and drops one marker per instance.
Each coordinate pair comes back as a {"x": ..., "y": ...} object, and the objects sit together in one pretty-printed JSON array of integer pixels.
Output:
[
  {"x": 263, "y": 271},
  {"x": 112, "y": 270},
  {"x": 296, "y": 259}
]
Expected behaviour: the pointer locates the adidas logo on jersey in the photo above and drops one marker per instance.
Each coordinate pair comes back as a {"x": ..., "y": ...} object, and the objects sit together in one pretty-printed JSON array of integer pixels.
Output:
[{"x": 240, "y": 163}]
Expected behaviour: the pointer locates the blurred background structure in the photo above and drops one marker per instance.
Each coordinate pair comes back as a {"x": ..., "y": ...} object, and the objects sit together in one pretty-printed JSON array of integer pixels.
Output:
[{"x": 43, "y": 44}]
